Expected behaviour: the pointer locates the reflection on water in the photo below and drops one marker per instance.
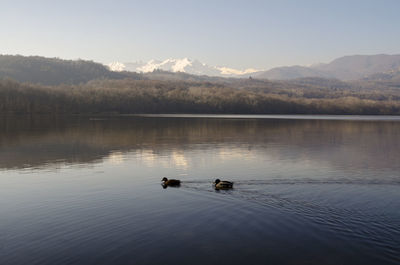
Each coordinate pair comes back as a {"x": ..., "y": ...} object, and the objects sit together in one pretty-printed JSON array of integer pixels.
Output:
[
  {"x": 87, "y": 191},
  {"x": 37, "y": 142}
]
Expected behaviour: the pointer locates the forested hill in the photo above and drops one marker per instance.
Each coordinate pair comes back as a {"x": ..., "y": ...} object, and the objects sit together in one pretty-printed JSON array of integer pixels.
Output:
[
  {"x": 53, "y": 71},
  {"x": 37, "y": 85}
]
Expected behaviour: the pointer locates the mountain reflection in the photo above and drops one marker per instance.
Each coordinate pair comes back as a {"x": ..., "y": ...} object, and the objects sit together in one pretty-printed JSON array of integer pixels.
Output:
[{"x": 41, "y": 142}]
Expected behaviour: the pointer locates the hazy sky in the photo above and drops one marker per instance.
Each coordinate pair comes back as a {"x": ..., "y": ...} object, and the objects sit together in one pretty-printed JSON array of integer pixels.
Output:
[{"x": 239, "y": 34}]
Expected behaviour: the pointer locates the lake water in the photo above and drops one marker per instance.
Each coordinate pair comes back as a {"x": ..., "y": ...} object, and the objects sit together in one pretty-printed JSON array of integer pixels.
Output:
[{"x": 307, "y": 190}]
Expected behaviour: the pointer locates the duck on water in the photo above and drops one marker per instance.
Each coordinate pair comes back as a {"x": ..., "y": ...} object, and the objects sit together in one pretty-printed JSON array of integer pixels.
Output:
[
  {"x": 218, "y": 184},
  {"x": 170, "y": 183},
  {"x": 223, "y": 184}
]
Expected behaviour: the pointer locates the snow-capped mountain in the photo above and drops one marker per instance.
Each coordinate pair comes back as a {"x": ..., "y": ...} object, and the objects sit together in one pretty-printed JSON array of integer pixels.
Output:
[{"x": 184, "y": 65}]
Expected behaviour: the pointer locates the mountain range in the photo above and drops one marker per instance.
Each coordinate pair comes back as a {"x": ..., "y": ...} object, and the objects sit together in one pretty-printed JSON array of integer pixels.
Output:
[
  {"x": 368, "y": 69},
  {"x": 185, "y": 65},
  {"x": 36, "y": 84},
  {"x": 345, "y": 68}
]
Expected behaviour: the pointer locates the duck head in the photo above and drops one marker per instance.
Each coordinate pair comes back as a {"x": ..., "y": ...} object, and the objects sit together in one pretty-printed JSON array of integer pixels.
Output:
[
  {"x": 217, "y": 181},
  {"x": 164, "y": 179}
]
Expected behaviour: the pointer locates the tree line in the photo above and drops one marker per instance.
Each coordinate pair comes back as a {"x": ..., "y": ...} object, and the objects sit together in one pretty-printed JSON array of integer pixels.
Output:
[{"x": 127, "y": 96}]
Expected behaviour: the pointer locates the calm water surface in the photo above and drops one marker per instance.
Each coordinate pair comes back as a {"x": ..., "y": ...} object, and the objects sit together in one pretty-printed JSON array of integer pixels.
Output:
[{"x": 307, "y": 191}]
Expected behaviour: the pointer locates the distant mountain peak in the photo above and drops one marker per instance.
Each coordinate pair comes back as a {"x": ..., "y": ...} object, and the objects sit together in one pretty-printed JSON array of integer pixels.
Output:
[
  {"x": 116, "y": 66},
  {"x": 231, "y": 71},
  {"x": 184, "y": 65},
  {"x": 351, "y": 67}
]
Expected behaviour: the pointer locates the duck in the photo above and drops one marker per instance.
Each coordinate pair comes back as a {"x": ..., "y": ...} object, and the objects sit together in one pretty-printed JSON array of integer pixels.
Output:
[
  {"x": 170, "y": 182},
  {"x": 222, "y": 185}
]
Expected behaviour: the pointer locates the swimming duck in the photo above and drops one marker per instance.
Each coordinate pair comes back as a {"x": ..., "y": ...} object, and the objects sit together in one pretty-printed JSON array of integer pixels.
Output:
[
  {"x": 170, "y": 182},
  {"x": 223, "y": 185}
]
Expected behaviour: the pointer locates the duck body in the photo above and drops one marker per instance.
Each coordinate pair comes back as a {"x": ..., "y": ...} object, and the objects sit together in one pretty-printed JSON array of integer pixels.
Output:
[
  {"x": 171, "y": 182},
  {"x": 223, "y": 185}
]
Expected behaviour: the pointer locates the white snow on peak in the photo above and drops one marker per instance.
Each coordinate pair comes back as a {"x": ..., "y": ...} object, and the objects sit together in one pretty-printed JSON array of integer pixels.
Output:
[
  {"x": 150, "y": 66},
  {"x": 184, "y": 65},
  {"x": 231, "y": 71},
  {"x": 174, "y": 65},
  {"x": 116, "y": 66},
  {"x": 181, "y": 64}
]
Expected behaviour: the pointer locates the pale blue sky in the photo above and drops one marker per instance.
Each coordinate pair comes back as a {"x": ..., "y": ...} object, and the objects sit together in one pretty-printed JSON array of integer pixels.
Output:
[{"x": 239, "y": 34}]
